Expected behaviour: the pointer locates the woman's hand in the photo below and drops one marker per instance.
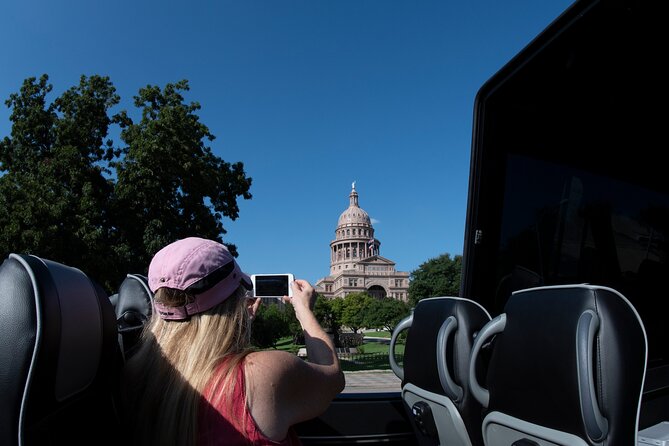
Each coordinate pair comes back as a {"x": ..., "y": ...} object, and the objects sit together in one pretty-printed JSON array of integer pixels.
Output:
[
  {"x": 304, "y": 296},
  {"x": 252, "y": 306}
]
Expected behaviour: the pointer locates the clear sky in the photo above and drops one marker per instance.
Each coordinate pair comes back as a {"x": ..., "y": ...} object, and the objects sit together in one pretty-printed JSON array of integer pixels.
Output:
[{"x": 310, "y": 95}]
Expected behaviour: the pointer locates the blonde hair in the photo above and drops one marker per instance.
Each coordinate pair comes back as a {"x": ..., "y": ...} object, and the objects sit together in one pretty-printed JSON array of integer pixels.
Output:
[{"x": 165, "y": 379}]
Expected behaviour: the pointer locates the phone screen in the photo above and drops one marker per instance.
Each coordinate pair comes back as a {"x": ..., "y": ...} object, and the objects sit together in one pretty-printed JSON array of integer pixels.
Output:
[{"x": 271, "y": 285}]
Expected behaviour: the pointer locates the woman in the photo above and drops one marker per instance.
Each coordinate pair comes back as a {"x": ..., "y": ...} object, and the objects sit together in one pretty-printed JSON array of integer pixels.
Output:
[{"x": 195, "y": 380}]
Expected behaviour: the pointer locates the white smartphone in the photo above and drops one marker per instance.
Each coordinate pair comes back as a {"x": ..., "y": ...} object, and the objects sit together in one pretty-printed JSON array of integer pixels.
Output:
[{"x": 272, "y": 285}]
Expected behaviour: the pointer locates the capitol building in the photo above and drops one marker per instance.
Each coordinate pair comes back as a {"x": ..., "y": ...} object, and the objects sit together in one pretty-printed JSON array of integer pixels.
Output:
[{"x": 356, "y": 264}]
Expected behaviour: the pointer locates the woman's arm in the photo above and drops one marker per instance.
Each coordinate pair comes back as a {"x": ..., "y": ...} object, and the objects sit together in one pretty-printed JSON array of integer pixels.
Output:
[{"x": 284, "y": 389}]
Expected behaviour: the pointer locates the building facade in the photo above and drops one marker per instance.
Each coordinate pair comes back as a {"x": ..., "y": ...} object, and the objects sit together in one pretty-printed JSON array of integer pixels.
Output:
[{"x": 355, "y": 261}]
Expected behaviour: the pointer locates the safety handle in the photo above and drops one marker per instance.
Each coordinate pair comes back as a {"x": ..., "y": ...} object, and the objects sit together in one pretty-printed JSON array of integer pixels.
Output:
[
  {"x": 489, "y": 330},
  {"x": 404, "y": 324},
  {"x": 448, "y": 328},
  {"x": 596, "y": 425}
]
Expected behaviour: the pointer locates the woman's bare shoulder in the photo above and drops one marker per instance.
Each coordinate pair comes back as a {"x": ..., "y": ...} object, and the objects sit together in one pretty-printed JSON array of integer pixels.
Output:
[{"x": 274, "y": 361}]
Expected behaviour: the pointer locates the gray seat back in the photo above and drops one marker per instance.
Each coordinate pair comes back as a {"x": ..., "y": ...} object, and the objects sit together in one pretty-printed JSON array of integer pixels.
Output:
[
  {"x": 435, "y": 387},
  {"x": 567, "y": 368}
]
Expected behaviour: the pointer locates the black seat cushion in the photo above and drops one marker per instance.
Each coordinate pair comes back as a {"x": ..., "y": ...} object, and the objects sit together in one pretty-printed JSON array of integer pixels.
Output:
[{"x": 59, "y": 359}]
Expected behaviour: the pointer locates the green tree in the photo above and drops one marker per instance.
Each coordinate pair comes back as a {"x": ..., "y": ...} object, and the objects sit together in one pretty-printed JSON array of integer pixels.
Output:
[
  {"x": 170, "y": 184},
  {"x": 439, "y": 276},
  {"x": 54, "y": 189},
  {"x": 324, "y": 314},
  {"x": 336, "y": 308},
  {"x": 355, "y": 310},
  {"x": 68, "y": 194},
  {"x": 294, "y": 326},
  {"x": 271, "y": 324},
  {"x": 386, "y": 313},
  {"x": 330, "y": 319}
]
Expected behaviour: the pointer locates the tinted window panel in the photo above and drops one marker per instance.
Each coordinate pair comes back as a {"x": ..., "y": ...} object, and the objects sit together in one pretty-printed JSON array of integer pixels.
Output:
[{"x": 564, "y": 225}]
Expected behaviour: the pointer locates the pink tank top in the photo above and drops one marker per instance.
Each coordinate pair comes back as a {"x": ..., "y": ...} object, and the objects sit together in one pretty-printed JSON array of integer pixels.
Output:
[{"x": 223, "y": 425}]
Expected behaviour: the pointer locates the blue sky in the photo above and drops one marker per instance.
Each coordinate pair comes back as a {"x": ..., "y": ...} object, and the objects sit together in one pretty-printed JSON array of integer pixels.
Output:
[{"x": 309, "y": 95}]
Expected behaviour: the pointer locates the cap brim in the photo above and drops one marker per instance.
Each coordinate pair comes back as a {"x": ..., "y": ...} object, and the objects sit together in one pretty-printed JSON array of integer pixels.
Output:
[{"x": 246, "y": 281}]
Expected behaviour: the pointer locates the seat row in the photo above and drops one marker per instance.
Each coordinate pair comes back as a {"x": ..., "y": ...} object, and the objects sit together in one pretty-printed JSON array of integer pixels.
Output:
[{"x": 562, "y": 365}]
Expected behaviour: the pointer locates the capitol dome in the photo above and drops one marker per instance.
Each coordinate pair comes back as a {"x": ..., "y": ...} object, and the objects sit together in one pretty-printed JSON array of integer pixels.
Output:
[
  {"x": 354, "y": 236},
  {"x": 354, "y": 215}
]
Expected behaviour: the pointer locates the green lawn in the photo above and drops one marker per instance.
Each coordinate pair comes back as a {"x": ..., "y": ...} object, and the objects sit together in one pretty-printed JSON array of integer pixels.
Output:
[
  {"x": 287, "y": 345},
  {"x": 379, "y": 334},
  {"x": 371, "y": 355}
]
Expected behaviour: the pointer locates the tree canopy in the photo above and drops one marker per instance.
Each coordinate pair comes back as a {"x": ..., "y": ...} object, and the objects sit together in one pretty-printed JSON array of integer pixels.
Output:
[
  {"x": 169, "y": 179},
  {"x": 356, "y": 308},
  {"x": 272, "y": 322},
  {"x": 71, "y": 194},
  {"x": 386, "y": 313},
  {"x": 439, "y": 276}
]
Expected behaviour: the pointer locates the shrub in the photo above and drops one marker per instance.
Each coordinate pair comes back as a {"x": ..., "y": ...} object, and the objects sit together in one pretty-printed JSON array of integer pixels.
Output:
[{"x": 351, "y": 339}]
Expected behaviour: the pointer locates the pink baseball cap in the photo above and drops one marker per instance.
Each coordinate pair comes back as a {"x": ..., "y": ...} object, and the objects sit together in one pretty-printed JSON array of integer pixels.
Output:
[{"x": 201, "y": 267}]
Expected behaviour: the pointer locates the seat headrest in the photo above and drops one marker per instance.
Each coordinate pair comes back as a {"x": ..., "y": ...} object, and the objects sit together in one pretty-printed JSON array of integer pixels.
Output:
[
  {"x": 134, "y": 302},
  {"x": 59, "y": 340}
]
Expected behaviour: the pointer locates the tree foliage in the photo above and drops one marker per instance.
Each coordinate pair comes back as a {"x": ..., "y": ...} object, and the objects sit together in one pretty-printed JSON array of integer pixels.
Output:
[
  {"x": 326, "y": 314},
  {"x": 271, "y": 323},
  {"x": 386, "y": 313},
  {"x": 355, "y": 309},
  {"x": 54, "y": 193},
  {"x": 169, "y": 179},
  {"x": 439, "y": 276},
  {"x": 69, "y": 194}
]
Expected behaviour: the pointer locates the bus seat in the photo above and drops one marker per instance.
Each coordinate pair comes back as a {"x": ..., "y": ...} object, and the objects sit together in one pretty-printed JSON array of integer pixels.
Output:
[
  {"x": 134, "y": 304},
  {"x": 59, "y": 356},
  {"x": 567, "y": 368},
  {"x": 435, "y": 388}
]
